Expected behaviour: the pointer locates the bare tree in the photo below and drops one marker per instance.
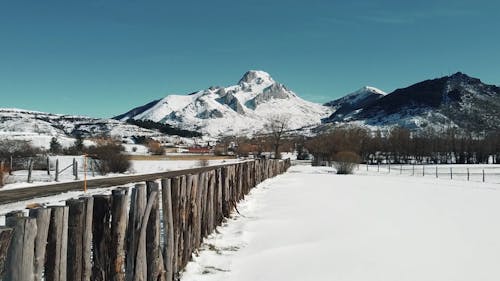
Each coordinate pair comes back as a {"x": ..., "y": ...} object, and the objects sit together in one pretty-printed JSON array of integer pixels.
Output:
[{"x": 277, "y": 127}]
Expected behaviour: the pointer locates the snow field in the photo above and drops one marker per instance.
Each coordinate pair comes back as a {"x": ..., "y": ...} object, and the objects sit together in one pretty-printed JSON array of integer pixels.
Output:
[{"x": 311, "y": 224}]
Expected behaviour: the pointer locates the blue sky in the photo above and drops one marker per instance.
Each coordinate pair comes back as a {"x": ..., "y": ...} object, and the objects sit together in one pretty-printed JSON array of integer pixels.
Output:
[{"x": 101, "y": 58}]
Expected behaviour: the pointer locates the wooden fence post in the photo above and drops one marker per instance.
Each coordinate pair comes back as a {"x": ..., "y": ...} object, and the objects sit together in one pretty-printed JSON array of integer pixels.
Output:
[
  {"x": 57, "y": 170},
  {"x": 168, "y": 225},
  {"x": 137, "y": 206},
  {"x": 141, "y": 269},
  {"x": 75, "y": 239},
  {"x": 48, "y": 166},
  {"x": 80, "y": 238},
  {"x": 11, "y": 166},
  {"x": 153, "y": 250},
  {"x": 56, "y": 256},
  {"x": 101, "y": 233},
  {"x": 30, "y": 169},
  {"x": 21, "y": 254},
  {"x": 5, "y": 238},
  {"x": 176, "y": 202},
  {"x": 75, "y": 167},
  {"x": 118, "y": 233},
  {"x": 42, "y": 217},
  {"x": 87, "y": 238}
]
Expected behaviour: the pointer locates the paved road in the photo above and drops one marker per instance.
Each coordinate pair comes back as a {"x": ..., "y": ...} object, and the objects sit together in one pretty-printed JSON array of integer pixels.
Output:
[{"x": 20, "y": 194}]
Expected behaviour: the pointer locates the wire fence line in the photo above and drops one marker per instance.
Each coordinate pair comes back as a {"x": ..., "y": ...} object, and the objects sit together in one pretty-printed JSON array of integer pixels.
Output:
[
  {"x": 478, "y": 173},
  {"x": 50, "y": 168}
]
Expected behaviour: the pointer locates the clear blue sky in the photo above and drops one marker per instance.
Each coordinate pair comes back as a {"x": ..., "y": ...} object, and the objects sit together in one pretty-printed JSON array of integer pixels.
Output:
[{"x": 101, "y": 58}]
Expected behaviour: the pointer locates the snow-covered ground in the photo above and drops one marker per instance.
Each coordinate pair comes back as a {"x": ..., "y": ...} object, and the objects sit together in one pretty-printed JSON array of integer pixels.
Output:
[{"x": 311, "y": 224}]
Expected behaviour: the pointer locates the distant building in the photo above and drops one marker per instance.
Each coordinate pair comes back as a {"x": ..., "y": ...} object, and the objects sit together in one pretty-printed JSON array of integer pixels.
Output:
[{"x": 201, "y": 150}]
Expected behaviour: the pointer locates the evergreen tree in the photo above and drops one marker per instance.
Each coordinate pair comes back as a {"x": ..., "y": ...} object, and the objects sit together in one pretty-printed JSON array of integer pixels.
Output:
[{"x": 55, "y": 146}]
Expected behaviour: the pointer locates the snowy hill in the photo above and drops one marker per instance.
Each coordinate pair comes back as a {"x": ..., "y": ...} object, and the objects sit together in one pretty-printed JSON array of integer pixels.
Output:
[
  {"x": 240, "y": 109},
  {"x": 40, "y": 127},
  {"x": 353, "y": 101},
  {"x": 452, "y": 101}
]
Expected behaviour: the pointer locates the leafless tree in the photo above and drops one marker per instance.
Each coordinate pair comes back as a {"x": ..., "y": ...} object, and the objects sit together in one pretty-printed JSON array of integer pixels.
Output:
[{"x": 276, "y": 127}]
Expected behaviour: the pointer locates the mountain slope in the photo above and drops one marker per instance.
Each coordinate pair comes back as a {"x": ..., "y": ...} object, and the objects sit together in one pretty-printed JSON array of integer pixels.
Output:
[
  {"x": 451, "y": 101},
  {"x": 240, "y": 109},
  {"x": 33, "y": 124},
  {"x": 353, "y": 101}
]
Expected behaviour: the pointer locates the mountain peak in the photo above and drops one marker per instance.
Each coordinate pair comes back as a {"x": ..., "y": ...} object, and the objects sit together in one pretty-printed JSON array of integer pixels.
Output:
[
  {"x": 462, "y": 77},
  {"x": 256, "y": 76},
  {"x": 372, "y": 89}
]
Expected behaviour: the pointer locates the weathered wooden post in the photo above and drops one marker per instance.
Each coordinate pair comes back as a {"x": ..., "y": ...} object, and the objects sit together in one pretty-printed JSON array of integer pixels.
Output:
[
  {"x": 56, "y": 255},
  {"x": 176, "y": 184},
  {"x": 137, "y": 206},
  {"x": 21, "y": 253},
  {"x": 75, "y": 244},
  {"x": 80, "y": 238},
  {"x": 436, "y": 172},
  {"x": 11, "y": 166},
  {"x": 42, "y": 217},
  {"x": 141, "y": 268},
  {"x": 153, "y": 250},
  {"x": 75, "y": 169},
  {"x": 57, "y": 170},
  {"x": 118, "y": 233},
  {"x": 5, "y": 238},
  {"x": 30, "y": 169},
  {"x": 483, "y": 176},
  {"x": 468, "y": 175},
  {"x": 168, "y": 224},
  {"x": 48, "y": 166},
  {"x": 451, "y": 173},
  {"x": 101, "y": 233},
  {"x": 423, "y": 170}
]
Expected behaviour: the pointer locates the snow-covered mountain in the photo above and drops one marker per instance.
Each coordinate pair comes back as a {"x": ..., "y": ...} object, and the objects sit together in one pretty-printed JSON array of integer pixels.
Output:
[
  {"x": 40, "y": 127},
  {"x": 452, "y": 101},
  {"x": 240, "y": 109},
  {"x": 352, "y": 102}
]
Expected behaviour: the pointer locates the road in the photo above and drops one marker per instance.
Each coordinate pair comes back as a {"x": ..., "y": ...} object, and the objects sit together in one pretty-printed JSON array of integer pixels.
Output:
[{"x": 21, "y": 194}]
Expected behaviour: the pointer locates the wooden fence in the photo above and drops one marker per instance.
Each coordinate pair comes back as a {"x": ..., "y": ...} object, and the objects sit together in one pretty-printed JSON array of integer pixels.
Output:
[{"x": 145, "y": 233}]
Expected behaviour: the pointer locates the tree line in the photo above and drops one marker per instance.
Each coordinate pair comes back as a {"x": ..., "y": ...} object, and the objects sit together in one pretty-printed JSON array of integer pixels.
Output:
[{"x": 401, "y": 146}]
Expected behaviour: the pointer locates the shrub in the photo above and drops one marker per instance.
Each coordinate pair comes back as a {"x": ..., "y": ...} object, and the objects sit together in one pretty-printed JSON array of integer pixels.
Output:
[
  {"x": 111, "y": 158},
  {"x": 155, "y": 147},
  {"x": 17, "y": 148},
  {"x": 346, "y": 161},
  {"x": 2, "y": 176}
]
